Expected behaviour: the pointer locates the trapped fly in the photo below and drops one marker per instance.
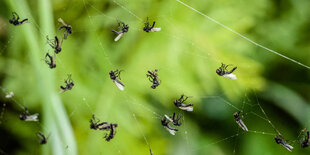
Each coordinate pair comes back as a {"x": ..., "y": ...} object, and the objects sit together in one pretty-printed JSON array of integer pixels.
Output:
[
  {"x": 50, "y": 60},
  {"x": 25, "y": 116},
  {"x": 124, "y": 29},
  {"x": 175, "y": 119},
  {"x": 115, "y": 76},
  {"x": 222, "y": 71},
  {"x": 15, "y": 20},
  {"x": 165, "y": 124},
  {"x": 280, "y": 140},
  {"x": 305, "y": 141},
  {"x": 96, "y": 125},
  {"x": 42, "y": 138},
  {"x": 148, "y": 28},
  {"x": 180, "y": 103},
  {"x": 67, "y": 27},
  {"x": 238, "y": 119},
  {"x": 9, "y": 95},
  {"x": 69, "y": 84},
  {"x": 153, "y": 77},
  {"x": 112, "y": 132},
  {"x": 55, "y": 44}
]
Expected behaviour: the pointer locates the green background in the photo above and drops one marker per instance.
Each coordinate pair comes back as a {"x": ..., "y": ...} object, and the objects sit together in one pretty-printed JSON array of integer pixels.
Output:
[{"x": 186, "y": 52}]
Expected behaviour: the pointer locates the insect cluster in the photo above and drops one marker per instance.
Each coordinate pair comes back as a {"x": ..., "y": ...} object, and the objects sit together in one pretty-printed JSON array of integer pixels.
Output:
[
  {"x": 26, "y": 116},
  {"x": 56, "y": 43},
  {"x": 124, "y": 28},
  {"x": 50, "y": 60},
  {"x": 152, "y": 76},
  {"x": 95, "y": 124}
]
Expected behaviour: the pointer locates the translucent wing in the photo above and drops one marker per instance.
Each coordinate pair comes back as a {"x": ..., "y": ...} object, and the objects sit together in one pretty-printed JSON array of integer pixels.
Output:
[
  {"x": 169, "y": 118},
  {"x": 242, "y": 125},
  {"x": 155, "y": 29},
  {"x": 9, "y": 95},
  {"x": 170, "y": 131},
  {"x": 33, "y": 117},
  {"x": 119, "y": 84},
  {"x": 62, "y": 91},
  {"x": 54, "y": 59},
  {"x": 104, "y": 126},
  {"x": 230, "y": 76},
  {"x": 60, "y": 42},
  {"x": 119, "y": 36},
  {"x": 62, "y": 21},
  {"x": 288, "y": 147},
  {"x": 189, "y": 108}
]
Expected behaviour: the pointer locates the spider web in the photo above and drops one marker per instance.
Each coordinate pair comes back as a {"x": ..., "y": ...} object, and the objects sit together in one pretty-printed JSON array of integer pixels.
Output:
[
  {"x": 185, "y": 133},
  {"x": 12, "y": 102},
  {"x": 264, "y": 115}
]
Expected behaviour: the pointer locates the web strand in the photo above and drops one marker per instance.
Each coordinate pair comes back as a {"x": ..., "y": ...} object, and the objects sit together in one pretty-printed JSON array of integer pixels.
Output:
[
  {"x": 244, "y": 37},
  {"x": 263, "y": 111},
  {"x": 226, "y": 102},
  {"x": 111, "y": 64},
  {"x": 127, "y": 10}
]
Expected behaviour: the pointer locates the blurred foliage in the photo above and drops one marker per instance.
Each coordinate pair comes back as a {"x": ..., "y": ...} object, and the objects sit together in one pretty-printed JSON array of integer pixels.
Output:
[{"x": 187, "y": 52}]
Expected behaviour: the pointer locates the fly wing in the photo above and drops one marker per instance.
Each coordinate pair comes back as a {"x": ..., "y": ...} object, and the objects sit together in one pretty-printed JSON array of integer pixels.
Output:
[
  {"x": 104, "y": 126},
  {"x": 60, "y": 42},
  {"x": 119, "y": 36},
  {"x": 288, "y": 147},
  {"x": 155, "y": 29},
  {"x": 230, "y": 76},
  {"x": 170, "y": 131},
  {"x": 33, "y": 117},
  {"x": 62, "y": 21},
  {"x": 168, "y": 118},
  {"x": 242, "y": 125},
  {"x": 54, "y": 58},
  {"x": 119, "y": 84},
  {"x": 62, "y": 91},
  {"x": 189, "y": 108},
  {"x": 9, "y": 95}
]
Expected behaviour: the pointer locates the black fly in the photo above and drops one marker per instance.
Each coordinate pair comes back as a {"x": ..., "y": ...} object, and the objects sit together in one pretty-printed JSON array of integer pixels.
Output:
[
  {"x": 55, "y": 44},
  {"x": 124, "y": 28},
  {"x": 15, "y": 20},
  {"x": 305, "y": 139},
  {"x": 280, "y": 140},
  {"x": 153, "y": 77},
  {"x": 180, "y": 103},
  {"x": 222, "y": 71},
  {"x": 165, "y": 124},
  {"x": 148, "y": 28},
  {"x": 50, "y": 60},
  {"x": 238, "y": 119},
  {"x": 95, "y": 124},
  {"x": 25, "y": 116},
  {"x": 9, "y": 95},
  {"x": 112, "y": 132},
  {"x": 115, "y": 76},
  {"x": 69, "y": 84},
  {"x": 68, "y": 28},
  {"x": 43, "y": 139},
  {"x": 175, "y": 119}
]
